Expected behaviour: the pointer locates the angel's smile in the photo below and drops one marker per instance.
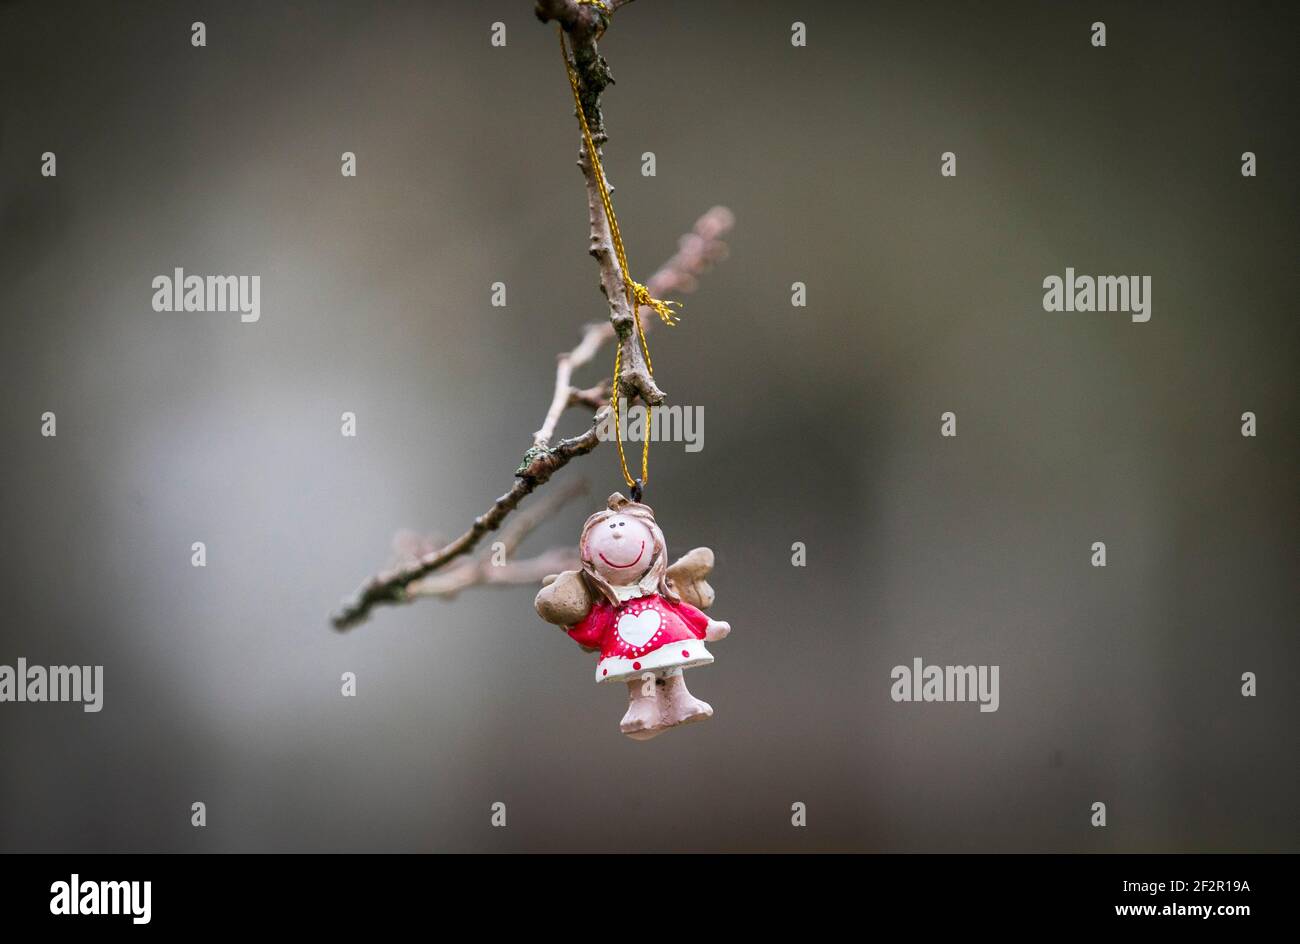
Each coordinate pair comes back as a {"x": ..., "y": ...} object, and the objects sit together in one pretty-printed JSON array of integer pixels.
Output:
[{"x": 627, "y": 565}]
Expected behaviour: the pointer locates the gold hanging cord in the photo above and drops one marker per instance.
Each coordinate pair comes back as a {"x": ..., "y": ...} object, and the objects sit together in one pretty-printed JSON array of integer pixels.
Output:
[{"x": 637, "y": 294}]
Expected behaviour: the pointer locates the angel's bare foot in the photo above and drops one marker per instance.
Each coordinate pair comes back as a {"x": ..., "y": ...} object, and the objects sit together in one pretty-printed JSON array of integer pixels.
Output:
[
  {"x": 680, "y": 706},
  {"x": 644, "y": 718}
]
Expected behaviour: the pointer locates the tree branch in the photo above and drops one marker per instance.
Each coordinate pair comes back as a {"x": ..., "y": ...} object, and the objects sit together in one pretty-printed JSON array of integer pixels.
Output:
[
  {"x": 697, "y": 250},
  {"x": 585, "y": 23},
  {"x": 487, "y": 571}
]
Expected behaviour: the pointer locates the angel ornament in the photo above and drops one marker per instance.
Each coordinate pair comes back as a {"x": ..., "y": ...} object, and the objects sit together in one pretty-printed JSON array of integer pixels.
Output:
[{"x": 642, "y": 616}]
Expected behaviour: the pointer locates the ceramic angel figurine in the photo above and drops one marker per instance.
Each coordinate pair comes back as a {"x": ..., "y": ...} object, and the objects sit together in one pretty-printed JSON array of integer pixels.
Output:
[{"x": 642, "y": 616}]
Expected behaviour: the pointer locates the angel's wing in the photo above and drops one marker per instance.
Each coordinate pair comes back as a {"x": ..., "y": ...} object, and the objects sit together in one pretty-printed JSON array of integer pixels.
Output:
[
  {"x": 687, "y": 577},
  {"x": 564, "y": 599}
]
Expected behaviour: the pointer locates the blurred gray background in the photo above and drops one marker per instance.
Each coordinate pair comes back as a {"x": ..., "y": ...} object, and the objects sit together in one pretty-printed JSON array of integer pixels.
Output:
[{"x": 821, "y": 423}]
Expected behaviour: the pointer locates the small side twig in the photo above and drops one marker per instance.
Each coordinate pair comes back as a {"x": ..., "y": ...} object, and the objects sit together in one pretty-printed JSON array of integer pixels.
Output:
[
  {"x": 510, "y": 574},
  {"x": 488, "y": 571}
]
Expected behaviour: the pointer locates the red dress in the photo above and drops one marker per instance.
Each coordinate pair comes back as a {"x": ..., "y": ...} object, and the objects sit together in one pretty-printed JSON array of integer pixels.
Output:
[{"x": 644, "y": 634}]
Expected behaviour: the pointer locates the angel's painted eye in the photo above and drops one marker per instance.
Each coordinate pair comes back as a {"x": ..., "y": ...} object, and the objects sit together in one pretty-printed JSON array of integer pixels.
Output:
[{"x": 621, "y": 523}]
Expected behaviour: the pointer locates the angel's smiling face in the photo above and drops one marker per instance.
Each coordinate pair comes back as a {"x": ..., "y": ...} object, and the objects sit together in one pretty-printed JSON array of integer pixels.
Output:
[{"x": 620, "y": 548}]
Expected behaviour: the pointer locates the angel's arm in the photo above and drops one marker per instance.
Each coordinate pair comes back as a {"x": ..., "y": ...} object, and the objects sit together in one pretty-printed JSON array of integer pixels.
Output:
[{"x": 710, "y": 630}]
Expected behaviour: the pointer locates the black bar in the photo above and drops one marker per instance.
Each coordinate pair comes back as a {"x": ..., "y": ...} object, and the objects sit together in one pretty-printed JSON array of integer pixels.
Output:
[{"x": 330, "y": 893}]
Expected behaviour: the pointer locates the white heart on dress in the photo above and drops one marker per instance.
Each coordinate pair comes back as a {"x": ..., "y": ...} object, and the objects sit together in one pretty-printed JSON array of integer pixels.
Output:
[{"x": 637, "y": 630}]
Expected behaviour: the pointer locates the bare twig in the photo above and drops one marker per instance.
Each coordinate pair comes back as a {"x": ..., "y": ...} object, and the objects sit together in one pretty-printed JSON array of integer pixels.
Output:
[
  {"x": 593, "y": 338},
  {"x": 524, "y": 523},
  {"x": 487, "y": 570},
  {"x": 510, "y": 574},
  {"x": 696, "y": 252}
]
